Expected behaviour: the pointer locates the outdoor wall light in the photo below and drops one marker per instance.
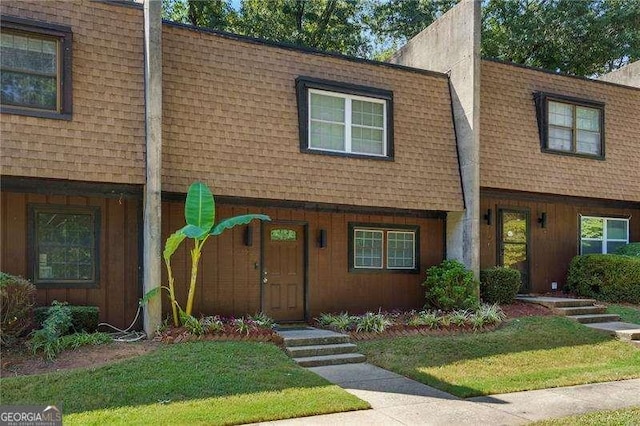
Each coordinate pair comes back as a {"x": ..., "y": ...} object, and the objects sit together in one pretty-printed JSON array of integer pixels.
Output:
[
  {"x": 542, "y": 220},
  {"x": 248, "y": 236},
  {"x": 488, "y": 217},
  {"x": 322, "y": 238}
]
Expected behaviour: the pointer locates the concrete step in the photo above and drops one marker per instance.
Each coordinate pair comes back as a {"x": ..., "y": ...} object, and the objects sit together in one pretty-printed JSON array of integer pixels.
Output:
[
  {"x": 589, "y": 319},
  {"x": 581, "y": 310},
  {"x": 635, "y": 343},
  {"x": 317, "y": 361},
  {"x": 556, "y": 302},
  {"x": 315, "y": 341},
  {"x": 622, "y": 330},
  {"x": 318, "y": 350}
]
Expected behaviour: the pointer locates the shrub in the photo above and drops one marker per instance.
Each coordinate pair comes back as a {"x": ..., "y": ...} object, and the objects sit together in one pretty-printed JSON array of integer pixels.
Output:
[
  {"x": 341, "y": 322},
  {"x": 212, "y": 324},
  {"x": 263, "y": 320},
  {"x": 499, "y": 285},
  {"x": 83, "y": 318},
  {"x": 631, "y": 249},
  {"x": 609, "y": 277},
  {"x": 17, "y": 297},
  {"x": 450, "y": 286},
  {"x": 423, "y": 318},
  {"x": 57, "y": 323},
  {"x": 372, "y": 323}
]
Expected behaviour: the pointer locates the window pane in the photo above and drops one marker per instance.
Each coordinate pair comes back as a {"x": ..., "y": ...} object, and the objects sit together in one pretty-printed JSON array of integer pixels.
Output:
[
  {"x": 617, "y": 229},
  {"x": 560, "y": 114},
  {"x": 588, "y": 119},
  {"x": 367, "y": 249},
  {"x": 592, "y": 227},
  {"x": 327, "y": 108},
  {"x": 327, "y": 136},
  {"x": 367, "y": 113},
  {"x": 65, "y": 246},
  {"x": 34, "y": 55},
  {"x": 588, "y": 142},
  {"x": 367, "y": 141},
  {"x": 560, "y": 138},
  {"x": 612, "y": 246},
  {"x": 514, "y": 227},
  {"x": 29, "y": 90},
  {"x": 283, "y": 235},
  {"x": 589, "y": 247},
  {"x": 400, "y": 249}
]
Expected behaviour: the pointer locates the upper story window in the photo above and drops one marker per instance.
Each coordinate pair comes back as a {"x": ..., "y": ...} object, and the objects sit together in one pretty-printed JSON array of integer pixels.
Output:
[
  {"x": 35, "y": 63},
  {"x": 381, "y": 247},
  {"x": 602, "y": 234},
  {"x": 64, "y": 245},
  {"x": 570, "y": 126},
  {"x": 341, "y": 119}
]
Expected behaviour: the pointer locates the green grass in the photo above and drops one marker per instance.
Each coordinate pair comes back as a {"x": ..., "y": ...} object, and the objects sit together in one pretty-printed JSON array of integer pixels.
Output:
[
  {"x": 527, "y": 353},
  {"x": 628, "y": 313},
  {"x": 194, "y": 383},
  {"x": 623, "y": 417}
]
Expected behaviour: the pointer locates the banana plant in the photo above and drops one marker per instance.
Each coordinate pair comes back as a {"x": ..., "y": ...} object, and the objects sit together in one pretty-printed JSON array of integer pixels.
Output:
[{"x": 199, "y": 214}]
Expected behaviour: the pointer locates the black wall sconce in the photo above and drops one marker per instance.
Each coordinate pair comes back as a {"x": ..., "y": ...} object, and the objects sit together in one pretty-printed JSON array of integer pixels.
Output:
[
  {"x": 542, "y": 220},
  {"x": 248, "y": 236},
  {"x": 488, "y": 217},
  {"x": 322, "y": 238}
]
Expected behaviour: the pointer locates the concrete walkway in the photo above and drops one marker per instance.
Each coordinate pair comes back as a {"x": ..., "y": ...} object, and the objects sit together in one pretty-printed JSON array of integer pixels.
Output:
[{"x": 397, "y": 400}]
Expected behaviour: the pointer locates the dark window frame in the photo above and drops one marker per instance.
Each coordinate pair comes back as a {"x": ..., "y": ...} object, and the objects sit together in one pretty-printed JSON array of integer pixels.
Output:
[
  {"x": 542, "y": 112},
  {"x": 384, "y": 227},
  {"x": 64, "y": 87},
  {"x": 33, "y": 246},
  {"x": 605, "y": 217},
  {"x": 303, "y": 84}
]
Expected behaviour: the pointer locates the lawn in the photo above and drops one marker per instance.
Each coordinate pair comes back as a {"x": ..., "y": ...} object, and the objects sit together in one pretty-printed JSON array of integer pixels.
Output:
[
  {"x": 628, "y": 313},
  {"x": 194, "y": 383},
  {"x": 623, "y": 417},
  {"x": 527, "y": 353}
]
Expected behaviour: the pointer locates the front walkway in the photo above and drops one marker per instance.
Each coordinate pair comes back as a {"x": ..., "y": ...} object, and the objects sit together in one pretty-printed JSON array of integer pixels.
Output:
[{"x": 397, "y": 400}]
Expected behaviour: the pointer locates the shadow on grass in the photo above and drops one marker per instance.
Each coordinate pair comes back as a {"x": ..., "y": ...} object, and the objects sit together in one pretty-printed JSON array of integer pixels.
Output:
[
  {"x": 411, "y": 356},
  {"x": 179, "y": 372}
]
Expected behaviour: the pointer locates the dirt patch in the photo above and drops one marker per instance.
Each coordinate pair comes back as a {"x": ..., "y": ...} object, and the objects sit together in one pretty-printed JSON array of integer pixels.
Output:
[
  {"x": 20, "y": 362},
  {"x": 521, "y": 309}
]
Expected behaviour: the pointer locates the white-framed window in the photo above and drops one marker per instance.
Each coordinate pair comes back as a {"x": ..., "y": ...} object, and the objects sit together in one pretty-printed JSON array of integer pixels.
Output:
[
  {"x": 347, "y": 123},
  {"x": 381, "y": 247},
  {"x": 571, "y": 126},
  {"x": 602, "y": 234},
  {"x": 344, "y": 119}
]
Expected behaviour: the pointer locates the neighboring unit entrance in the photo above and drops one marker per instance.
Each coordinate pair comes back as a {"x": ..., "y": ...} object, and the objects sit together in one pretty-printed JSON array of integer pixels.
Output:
[
  {"x": 283, "y": 271},
  {"x": 513, "y": 242}
]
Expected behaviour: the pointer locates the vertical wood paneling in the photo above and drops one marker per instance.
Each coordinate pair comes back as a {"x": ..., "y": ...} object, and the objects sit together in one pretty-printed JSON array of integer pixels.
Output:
[{"x": 117, "y": 293}]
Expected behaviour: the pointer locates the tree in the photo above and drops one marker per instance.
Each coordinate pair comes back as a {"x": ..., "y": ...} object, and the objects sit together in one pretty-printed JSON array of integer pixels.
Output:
[{"x": 214, "y": 14}]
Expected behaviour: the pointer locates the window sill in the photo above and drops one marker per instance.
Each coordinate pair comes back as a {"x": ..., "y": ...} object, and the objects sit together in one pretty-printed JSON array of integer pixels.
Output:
[
  {"x": 573, "y": 154},
  {"x": 345, "y": 154},
  {"x": 383, "y": 271},
  {"x": 5, "y": 109}
]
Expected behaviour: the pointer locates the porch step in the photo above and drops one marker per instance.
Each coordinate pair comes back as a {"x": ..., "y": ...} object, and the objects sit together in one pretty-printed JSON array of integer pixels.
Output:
[
  {"x": 313, "y": 347},
  {"x": 320, "y": 350},
  {"x": 318, "y": 361},
  {"x": 597, "y": 318},
  {"x": 581, "y": 310},
  {"x": 622, "y": 330},
  {"x": 557, "y": 302}
]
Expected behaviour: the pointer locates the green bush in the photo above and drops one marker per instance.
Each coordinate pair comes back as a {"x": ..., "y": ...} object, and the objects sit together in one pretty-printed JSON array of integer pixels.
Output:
[
  {"x": 17, "y": 297},
  {"x": 499, "y": 285},
  {"x": 450, "y": 286},
  {"x": 56, "y": 324},
  {"x": 631, "y": 249},
  {"x": 83, "y": 318},
  {"x": 609, "y": 277}
]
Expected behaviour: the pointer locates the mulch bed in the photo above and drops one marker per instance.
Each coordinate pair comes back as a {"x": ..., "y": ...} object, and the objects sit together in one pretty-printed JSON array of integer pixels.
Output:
[
  {"x": 180, "y": 335},
  {"x": 522, "y": 309}
]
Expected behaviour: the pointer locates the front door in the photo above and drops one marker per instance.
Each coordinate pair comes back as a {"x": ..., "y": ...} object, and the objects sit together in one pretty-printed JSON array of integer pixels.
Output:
[
  {"x": 513, "y": 242},
  {"x": 283, "y": 271}
]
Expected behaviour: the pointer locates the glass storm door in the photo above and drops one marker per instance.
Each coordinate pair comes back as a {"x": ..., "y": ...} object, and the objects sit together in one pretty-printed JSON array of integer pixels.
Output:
[{"x": 513, "y": 243}]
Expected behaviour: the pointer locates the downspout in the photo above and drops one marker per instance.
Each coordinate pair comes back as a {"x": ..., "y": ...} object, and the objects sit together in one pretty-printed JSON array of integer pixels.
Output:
[{"x": 152, "y": 262}]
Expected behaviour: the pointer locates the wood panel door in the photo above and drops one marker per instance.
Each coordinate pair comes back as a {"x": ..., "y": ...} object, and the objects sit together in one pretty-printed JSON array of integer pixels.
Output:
[
  {"x": 283, "y": 271},
  {"x": 513, "y": 243}
]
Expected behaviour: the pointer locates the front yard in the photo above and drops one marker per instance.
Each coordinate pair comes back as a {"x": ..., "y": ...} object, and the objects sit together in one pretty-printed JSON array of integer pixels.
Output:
[
  {"x": 527, "y": 353},
  {"x": 188, "y": 383}
]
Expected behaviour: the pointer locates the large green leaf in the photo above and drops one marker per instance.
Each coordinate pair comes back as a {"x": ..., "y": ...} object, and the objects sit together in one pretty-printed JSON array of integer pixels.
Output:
[
  {"x": 151, "y": 294},
  {"x": 237, "y": 220},
  {"x": 194, "y": 232},
  {"x": 172, "y": 243},
  {"x": 200, "y": 209}
]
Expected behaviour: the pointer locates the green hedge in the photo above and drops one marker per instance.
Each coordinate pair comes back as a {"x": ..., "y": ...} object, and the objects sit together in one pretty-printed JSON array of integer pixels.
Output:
[
  {"x": 499, "y": 285},
  {"x": 83, "y": 318},
  {"x": 17, "y": 297},
  {"x": 631, "y": 249},
  {"x": 609, "y": 277},
  {"x": 450, "y": 286}
]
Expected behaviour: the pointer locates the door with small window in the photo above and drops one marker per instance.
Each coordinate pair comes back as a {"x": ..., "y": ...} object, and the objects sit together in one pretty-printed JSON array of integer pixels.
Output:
[
  {"x": 283, "y": 271},
  {"x": 513, "y": 243}
]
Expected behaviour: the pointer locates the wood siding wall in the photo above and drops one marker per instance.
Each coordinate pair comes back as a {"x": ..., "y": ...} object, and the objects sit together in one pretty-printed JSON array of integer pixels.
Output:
[
  {"x": 229, "y": 275},
  {"x": 553, "y": 247},
  {"x": 118, "y": 292}
]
